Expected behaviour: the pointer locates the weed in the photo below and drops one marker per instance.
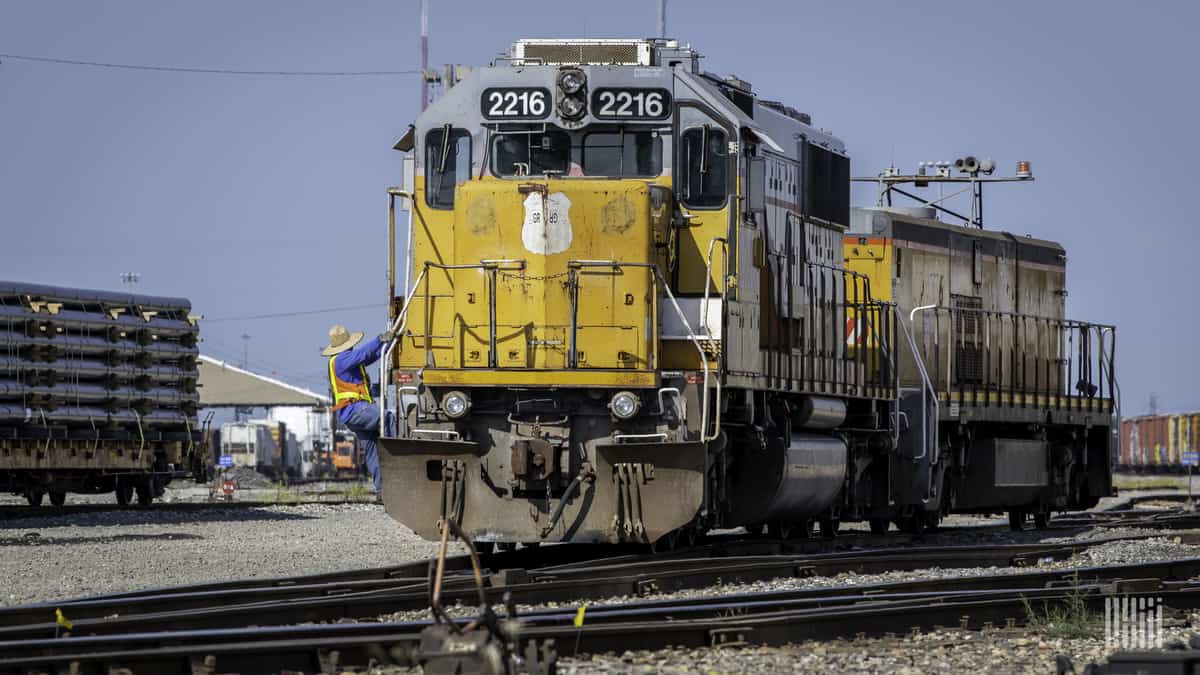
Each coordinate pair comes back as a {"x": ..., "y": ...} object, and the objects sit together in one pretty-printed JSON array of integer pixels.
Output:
[
  {"x": 359, "y": 492},
  {"x": 285, "y": 495},
  {"x": 1126, "y": 482},
  {"x": 1067, "y": 618}
]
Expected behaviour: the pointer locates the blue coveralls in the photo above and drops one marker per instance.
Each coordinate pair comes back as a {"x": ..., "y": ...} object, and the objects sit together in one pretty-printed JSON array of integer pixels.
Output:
[{"x": 362, "y": 417}]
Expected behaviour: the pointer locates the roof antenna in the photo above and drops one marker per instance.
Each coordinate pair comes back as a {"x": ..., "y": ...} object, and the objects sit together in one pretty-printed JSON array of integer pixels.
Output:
[
  {"x": 662, "y": 18},
  {"x": 424, "y": 54}
]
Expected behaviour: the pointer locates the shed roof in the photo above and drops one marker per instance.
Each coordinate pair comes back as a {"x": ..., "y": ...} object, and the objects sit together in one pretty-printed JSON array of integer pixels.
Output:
[{"x": 223, "y": 385}]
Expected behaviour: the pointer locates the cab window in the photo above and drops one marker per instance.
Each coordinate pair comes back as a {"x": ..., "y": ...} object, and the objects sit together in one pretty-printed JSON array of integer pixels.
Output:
[
  {"x": 704, "y": 155},
  {"x": 534, "y": 153},
  {"x": 447, "y": 163},
  {"x": 627, "y": 154}
]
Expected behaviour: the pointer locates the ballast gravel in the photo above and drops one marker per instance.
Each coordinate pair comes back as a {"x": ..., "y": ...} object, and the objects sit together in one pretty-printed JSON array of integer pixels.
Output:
[
  {"x": 66, "y": 556},
  {"x": 987, "y": 652}
]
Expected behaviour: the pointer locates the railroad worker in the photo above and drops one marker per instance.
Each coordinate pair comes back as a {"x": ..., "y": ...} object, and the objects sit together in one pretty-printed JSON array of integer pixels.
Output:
[{"x": 351, "y": 389}]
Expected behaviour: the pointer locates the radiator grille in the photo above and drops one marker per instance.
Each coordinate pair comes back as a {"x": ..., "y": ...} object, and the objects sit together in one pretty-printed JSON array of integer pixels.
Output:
[
  {"x": 583, "y": 54},
  {"x": 967, "y": 340}
]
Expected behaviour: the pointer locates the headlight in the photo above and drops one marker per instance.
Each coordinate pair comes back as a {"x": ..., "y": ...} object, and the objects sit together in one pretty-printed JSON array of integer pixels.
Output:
[
  {"x": 572, "y": 107},
  {"x": 624, "y": 405},
  {"x": 571, "y": 81},
  {"x": 455, "y": 404}
]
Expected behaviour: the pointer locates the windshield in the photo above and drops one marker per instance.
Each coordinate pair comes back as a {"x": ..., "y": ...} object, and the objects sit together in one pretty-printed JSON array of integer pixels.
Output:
[
  {"x": 531, "y": 153},
  {"x": 622, "y": 153},
  {"x": 613, "y": 152}
]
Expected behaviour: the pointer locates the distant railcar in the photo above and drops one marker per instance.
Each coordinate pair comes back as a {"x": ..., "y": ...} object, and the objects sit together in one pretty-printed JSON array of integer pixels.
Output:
[
  {"x": 1156, "y": 443},
  {"x": 266, "y": 447}
]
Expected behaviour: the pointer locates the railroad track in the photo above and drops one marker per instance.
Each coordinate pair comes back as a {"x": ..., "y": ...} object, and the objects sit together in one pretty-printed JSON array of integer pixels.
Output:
[
  {"x": 293, "y": 622},
  {"x": 1124, "y": 511},
  {"x": 569, "y": 574},
  {"x": 775, "y": 617},
  {"x": 20, "y": 512}
]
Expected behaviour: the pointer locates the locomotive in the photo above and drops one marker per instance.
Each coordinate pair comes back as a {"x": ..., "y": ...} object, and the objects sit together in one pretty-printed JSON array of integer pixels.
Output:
[{"x": 638, "y": 306}]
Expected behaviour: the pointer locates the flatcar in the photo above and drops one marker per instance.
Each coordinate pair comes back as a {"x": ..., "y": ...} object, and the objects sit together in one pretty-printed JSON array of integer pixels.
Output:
[
  {"x": 97, "y": 392},
  {"x": 638, "y": 306}
]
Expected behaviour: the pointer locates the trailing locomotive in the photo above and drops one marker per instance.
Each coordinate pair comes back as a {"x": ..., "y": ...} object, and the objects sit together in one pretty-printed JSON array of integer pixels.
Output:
[
  {"x": 97, "y": 392},
  {"x": 631, "y": 315}
]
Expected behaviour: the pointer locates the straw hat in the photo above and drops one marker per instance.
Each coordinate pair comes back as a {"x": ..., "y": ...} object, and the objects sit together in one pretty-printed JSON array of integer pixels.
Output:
[{"x": 340, "y": 340}]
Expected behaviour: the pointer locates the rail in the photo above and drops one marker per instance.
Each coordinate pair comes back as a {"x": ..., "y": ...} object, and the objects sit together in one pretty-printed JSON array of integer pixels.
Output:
[{"x": 990, "y": 357}]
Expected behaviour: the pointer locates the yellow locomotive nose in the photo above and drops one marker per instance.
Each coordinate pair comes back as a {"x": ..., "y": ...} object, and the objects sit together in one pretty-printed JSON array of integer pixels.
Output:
[{"x": 567, "y": 282}]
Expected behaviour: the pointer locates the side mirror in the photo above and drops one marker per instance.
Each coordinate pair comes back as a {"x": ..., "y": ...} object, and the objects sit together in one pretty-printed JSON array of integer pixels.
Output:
[{"x": 408, "y": 170}]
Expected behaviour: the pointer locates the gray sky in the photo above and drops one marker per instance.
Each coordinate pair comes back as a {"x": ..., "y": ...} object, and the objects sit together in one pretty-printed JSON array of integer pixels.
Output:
[{"x": 255, "y": 195}]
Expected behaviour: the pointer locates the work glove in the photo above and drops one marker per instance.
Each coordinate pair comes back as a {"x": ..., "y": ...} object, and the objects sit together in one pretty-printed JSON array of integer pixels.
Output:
[{"x": 387, "y": 336}]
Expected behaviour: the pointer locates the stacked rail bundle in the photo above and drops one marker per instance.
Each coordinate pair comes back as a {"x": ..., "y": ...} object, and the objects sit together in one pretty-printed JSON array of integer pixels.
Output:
[{"x": 98, "y": 390}]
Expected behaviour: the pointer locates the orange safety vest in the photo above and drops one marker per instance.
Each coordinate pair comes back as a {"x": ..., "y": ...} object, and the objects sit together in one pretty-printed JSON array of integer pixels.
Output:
[{"x": 345, "y": 393}]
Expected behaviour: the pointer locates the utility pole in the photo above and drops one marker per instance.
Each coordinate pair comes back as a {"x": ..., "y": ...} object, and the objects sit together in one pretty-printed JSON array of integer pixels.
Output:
[
  {"x": 662, "y": 18},
  {"x": 130, "y": 279},
  {"x": 424, "y": 54},
  {"x": 245, "y": 350}
]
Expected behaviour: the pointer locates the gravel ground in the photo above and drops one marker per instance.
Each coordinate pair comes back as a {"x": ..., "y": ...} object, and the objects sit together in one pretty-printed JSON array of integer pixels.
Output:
[
  {"x": 1002, "y": 651},
  {"x": 82, "y": 554}
]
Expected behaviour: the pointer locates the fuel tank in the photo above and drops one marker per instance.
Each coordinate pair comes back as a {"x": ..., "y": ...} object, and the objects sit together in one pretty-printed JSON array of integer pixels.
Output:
[
  {"x": 819, "y": 412},
  {"x": 789, "y": 484}
]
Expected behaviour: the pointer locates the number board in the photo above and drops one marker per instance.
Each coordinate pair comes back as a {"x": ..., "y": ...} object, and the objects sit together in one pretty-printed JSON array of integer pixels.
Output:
[
  {"x": 619, "y": 103},
  {"x": 514, "y": 103}
]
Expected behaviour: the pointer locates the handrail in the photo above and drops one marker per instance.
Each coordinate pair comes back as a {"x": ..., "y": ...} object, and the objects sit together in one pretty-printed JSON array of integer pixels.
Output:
[
  {"x": 399, "y": 323},
  {"x": 1045, "y": 351},
  {"x": 708, "y": 277},
  {"x": 912, "y": 316},
  {"x": 658, "y": 275},
  {"x": 927, "y": 386},
  {"x": 704, "y": 437},
  {"x": 1073, "y": 323}
]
